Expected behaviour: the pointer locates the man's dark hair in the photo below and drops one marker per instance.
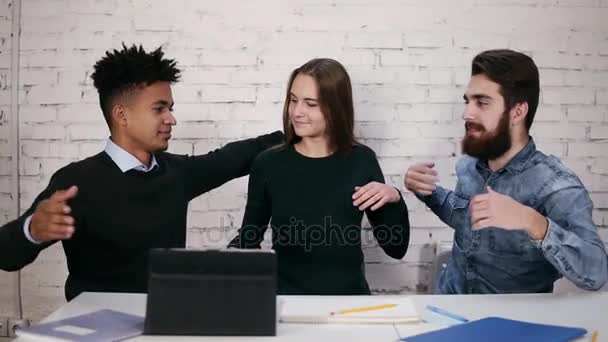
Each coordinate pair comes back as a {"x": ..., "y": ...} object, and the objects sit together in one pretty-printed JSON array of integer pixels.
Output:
[
  {"x": 516, "y": 74},
  {"x": 119, "y": 73}
]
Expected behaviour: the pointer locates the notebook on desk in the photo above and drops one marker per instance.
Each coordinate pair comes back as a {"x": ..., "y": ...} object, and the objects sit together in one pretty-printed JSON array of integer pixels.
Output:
[
  {"x": 500, "y": 330},
  {"x": 101, "y": 325},
  {"x": 351, "y": 309}
]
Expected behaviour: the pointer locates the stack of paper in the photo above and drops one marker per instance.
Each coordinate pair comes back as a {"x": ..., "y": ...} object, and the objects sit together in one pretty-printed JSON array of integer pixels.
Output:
[{"x": 350, "y": 309}]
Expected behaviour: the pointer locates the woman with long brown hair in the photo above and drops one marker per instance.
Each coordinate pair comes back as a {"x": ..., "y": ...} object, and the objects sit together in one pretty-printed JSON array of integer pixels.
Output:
[{"x": 306, "y": 187}]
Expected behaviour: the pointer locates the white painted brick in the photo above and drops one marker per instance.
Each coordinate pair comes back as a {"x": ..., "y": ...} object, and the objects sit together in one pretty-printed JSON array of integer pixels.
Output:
[
  {"x": 29, "y": 166},
  {"x": 4, "y": 129},
  {"x": 581, "y": 42},
  {"x": 74, "y": 77},
  {"x": 600, "y": 201},
  {"x": 578, "y": 78},
  {"x": 270, "y": 76},
  {"x": 5, "y": 201},
  {"x": 602, "y": 97},
  {"x": 103, "y": 22},
  {"x": 427, "y": 39},
  {"x": 50, "y": 165},
  {"x": 180, "y": 147},
  {"x": 154, "y": 23},
  {"x": 595, "y": 182},
  {"x": 600, "y": 166},
  {"x": 586, "y": 113},
  {"x": 195, "y": 131},
  {"x": 426, "y": 112},
  {"x": 577, "y": 165},
  {"x": 5, "y": 96},
  {"x": 217, "y": 93},
  {"x": 595, "y": 62},
  {"x": 50, "y": 58},
  {"x": 600, "y": 218},
  {"x": 205, "y": 146},
  {"x": 36, "y": 41},
  {"x": 598, "y": 132},
  {"x": 230, "y": 130},
  {"x": 187, "y": 112},
  {"x": 567, "y": 96},
  {"x": 549, "y": 113},
  {"x": 5, "y": 149},
  {"x": 270, "y": 94},
  {"x": 5, "y": 166},
  {"x": 46, "y": 149},
  {"x": 551, "y": 77},
  {"x": 42, "y": 132},
  {"x": 37, "y": 113},
  {"x": 390, "y": 95},
  {"x": 28, "y": 77},
  {"x": 385, "y": 130},
  {"x": 228, "y": 58},
  {"x": 584, "y": 149},
  {"x": 599, "y": 79},
  {"x": 379, "y": 40},
  {"x": 88, "y": 132},
  {"x": 445, "y": 95},
  {"x": 414, "y": 148},
  {"x": 51, "y": 95},
  {"x": 80, "y": 113},
  {"x": 374, "y": 112},
  {"x": 183, "y": 93},
  {"x": 479, "y": 40},
  {"x": 430, "y": 58},
  {"x": 440, "y": 76},
  {"x": 256, "y": 128},
  {"x": 558, "y": 60},
  {"x": 558, "y": 130},
  {"x": 428, "y": 130},
  {"x": 87, "y": 149},
  {"x": 208, "y": 75},
  {"x": 362, "y": 75},
  {"x": 546, "y": 40},
  {"x": 551, "y": 147}
]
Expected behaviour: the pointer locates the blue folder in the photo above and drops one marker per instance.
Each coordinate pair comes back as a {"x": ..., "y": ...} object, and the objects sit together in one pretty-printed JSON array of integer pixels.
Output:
[
  {"x": 102, "y": 325},
  {"x": 497, "y": 329}
]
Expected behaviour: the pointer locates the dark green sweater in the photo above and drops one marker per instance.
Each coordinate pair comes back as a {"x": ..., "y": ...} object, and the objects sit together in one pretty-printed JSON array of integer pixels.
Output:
[
  {"x": 120, "y": 216},
  {"x": 316, "y": 230}
]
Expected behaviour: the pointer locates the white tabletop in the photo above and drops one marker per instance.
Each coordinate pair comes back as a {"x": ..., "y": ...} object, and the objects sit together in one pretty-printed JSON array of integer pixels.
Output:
[{"x": 586, "y": 310}]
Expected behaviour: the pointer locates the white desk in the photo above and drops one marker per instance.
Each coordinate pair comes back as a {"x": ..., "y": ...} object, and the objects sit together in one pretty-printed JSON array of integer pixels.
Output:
[{"x": 587, "y": 310}]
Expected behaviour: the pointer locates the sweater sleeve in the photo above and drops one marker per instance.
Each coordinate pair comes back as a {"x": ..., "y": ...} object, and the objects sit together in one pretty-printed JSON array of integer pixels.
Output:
[
  {"x": 16, "y": 251},
  {"x": 209, "y": 171},
  {"x": 257, "y": 211},
  {"x": 390, "y": 223}
]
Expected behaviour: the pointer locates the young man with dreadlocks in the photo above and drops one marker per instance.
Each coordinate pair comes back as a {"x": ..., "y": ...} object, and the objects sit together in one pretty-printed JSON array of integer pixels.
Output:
[{"x": 108, "y": 210}]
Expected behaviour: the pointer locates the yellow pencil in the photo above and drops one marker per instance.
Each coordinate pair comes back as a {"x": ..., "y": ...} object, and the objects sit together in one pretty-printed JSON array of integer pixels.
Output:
[
  {"x": 594, "y": 337},
  {"x": 367, "y": 308}
]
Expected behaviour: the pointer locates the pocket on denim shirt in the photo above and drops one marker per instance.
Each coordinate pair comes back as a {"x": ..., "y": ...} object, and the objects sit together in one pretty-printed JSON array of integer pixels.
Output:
[
  {"x": 511, "y": 243},
  {"x": 460, "y": 217}
]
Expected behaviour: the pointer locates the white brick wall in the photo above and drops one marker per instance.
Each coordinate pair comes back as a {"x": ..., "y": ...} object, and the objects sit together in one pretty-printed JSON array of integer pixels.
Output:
[{"x": 409, "y": 62}]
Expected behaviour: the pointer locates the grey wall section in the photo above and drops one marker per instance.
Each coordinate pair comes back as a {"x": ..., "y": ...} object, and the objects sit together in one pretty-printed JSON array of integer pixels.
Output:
[{"x": 9, "y": 295}]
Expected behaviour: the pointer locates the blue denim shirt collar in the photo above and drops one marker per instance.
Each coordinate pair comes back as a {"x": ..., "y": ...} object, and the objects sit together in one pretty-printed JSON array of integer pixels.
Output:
[{"x": 516, "y": 165}]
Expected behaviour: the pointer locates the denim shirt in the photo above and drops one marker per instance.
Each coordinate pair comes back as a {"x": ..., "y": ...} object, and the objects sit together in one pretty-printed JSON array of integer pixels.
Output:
[{"x": 495, "y": 260}]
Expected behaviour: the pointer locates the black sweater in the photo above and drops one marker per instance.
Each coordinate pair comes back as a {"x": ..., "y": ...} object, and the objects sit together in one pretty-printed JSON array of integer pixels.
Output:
[
  {"x": 316, "y": 230},
  {"x": 120, "y": 216}
]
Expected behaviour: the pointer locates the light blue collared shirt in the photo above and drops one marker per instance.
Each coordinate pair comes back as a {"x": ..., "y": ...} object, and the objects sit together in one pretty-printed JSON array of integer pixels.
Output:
[{"x": 125, "y": 162}]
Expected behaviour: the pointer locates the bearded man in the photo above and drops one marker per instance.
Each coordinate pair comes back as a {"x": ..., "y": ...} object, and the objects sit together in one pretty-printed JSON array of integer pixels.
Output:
[{"x": 521, "y": 219}]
